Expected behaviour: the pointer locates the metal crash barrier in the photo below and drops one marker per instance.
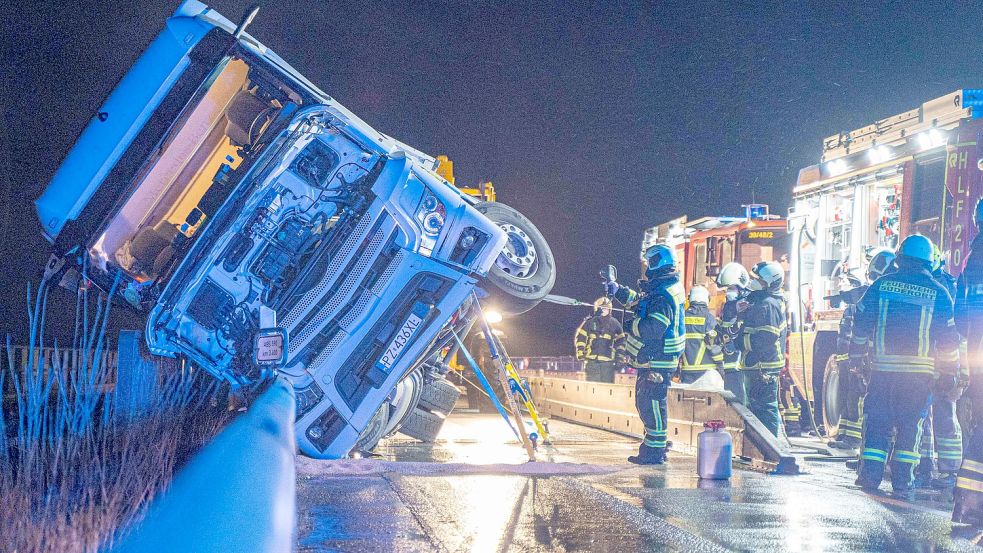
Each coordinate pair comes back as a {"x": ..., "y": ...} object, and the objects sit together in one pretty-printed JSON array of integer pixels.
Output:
[
  {"x": 236, "y": 495},
  {"x": 612, "y": 407}
]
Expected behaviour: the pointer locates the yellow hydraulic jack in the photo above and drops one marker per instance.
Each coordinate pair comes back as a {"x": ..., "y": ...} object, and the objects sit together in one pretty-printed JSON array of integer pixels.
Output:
[{"x": 515, "y": 392}]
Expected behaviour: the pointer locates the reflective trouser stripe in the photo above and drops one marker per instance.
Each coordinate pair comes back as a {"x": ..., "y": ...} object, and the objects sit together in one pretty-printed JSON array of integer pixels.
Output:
[
  {"x": 656, "y": 437},
  {"x": 910, "y": 457},
  {"x": 871, "y": 454},
  {"x": 850, "y": 428},
  {"x": 968, "y": 484},
  {"x": 972, "y": 466},
  {"x": 970, "y": 476},
  {"x": 949, "y": 448}
]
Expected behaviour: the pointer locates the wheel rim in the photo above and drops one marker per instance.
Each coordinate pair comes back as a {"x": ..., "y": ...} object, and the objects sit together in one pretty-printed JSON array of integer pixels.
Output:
[
  {"x": 831, "y": 395},
  {"x": 519, "y": 258}
]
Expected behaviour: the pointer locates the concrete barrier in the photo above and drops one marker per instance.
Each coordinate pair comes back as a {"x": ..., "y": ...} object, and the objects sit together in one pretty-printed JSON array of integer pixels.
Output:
[
  {"x": 612, "y": 407},
  {"x": 236, "y": 495}
]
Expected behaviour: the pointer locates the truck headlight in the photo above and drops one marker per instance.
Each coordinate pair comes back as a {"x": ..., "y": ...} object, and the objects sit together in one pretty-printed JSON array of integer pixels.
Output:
[{"x": 431, "y": 215}]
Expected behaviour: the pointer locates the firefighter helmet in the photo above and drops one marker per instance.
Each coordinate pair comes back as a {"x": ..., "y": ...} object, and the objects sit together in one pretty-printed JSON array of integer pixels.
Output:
[
  {"x": 770, "y": 273},
  {"x": 699, "y": 294},
  {"x": 659, "y": 257},
  {"x": 733, "y": 274},
  {"x": 881, "y": 263},
  {"x": 917, "y": 248},
  {"x": 602, "y": 303}
]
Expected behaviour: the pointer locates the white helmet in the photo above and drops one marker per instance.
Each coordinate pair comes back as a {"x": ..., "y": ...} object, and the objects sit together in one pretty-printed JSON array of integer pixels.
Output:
[
  {"x": 770, "y": 273},
  {"x": 733, "y": 274},
  {"x": 699, "y": 294}
]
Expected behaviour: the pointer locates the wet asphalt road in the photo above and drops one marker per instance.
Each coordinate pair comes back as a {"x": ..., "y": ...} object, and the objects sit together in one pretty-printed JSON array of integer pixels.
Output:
[{"x": 473, "y": 491}]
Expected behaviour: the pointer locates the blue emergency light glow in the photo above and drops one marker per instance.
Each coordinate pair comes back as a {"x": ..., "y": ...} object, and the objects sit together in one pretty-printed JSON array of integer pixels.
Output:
[
  {"x": 756, "y": 211},
  {"x": 973, "y": 98}
]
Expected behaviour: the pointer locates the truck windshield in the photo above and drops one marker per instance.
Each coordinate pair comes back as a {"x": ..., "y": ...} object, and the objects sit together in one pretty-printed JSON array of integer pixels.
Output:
[{"x": 190, "y": 175}]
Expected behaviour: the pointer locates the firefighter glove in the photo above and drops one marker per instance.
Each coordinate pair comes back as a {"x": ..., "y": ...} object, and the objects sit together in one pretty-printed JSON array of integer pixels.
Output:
[{"x": 611, "y": 288}]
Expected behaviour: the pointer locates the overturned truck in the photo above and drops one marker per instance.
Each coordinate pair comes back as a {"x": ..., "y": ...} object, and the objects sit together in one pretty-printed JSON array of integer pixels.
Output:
[{"x": 260, "y": 228}]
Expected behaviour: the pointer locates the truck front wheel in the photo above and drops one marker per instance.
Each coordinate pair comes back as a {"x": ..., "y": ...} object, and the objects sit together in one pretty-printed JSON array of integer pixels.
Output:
[{"x": 524, "y": 273}]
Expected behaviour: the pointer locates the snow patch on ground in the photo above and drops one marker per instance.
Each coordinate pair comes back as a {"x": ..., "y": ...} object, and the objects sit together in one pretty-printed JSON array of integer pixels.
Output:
[{"x": 370, "y": 467}]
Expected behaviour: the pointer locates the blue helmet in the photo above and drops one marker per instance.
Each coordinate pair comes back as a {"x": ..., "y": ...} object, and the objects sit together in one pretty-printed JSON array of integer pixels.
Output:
[
  {"x": 881, "y": 263},
  {"x": 659, "y": 258},
  {"x": 918, "y": 248}
]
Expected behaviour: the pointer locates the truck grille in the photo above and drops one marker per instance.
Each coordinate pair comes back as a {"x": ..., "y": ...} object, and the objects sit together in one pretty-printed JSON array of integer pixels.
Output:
[
  {"x": 314, "y": 294},
  {"x": 323, "y": 346}
]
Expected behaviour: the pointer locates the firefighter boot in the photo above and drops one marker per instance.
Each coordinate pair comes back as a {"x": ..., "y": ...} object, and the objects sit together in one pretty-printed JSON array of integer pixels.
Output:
[
  {"x": 968, "y": 507},
  {"x": 945, "y": 481},
  {"x": 924, "y": 474},
  {"x": 649, "y": 456}
]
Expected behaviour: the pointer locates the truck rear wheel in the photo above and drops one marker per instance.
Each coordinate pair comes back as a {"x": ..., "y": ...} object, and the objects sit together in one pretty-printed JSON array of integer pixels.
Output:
[
  {"x": 438, "y": 395},
  {"x": 524, "y": 273},
  {"x": 422, "y": 425}
]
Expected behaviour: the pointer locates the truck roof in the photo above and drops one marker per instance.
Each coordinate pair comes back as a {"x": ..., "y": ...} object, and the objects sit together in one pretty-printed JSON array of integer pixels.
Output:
[{"x": 892, "y": 140}]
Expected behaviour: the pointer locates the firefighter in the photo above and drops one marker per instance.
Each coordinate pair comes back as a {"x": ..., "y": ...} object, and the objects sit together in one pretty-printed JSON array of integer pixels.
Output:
[
  {"x": 761, "y": 339},
  {"x": 905, "y": 321},
  {"x": 655, "y": 337},
  {"x": 968, "y": 493},
  {"x": 599, "y": 341},
  {"x": 853, "y": 382},
  {"x": 701, "y": 353},
  {"x": 941, "y": 435},
  {"x": 734, "y": 278}
]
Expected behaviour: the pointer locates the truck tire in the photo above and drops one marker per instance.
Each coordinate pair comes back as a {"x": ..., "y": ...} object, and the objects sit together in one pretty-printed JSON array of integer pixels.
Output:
[
  {"x": 438, "y": 395},
  {"x": 405, "y": 398},
  {"x": 833, "y": 394},
  {"x": 422, "y": 425},
  {"x": 374, "y": 431},
  {"x": 822, "y": 353},
  {"x": 524, "y": 273}
]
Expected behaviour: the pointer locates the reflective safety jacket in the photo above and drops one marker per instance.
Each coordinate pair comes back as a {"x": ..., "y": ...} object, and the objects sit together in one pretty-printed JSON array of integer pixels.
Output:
[
  {"x": 845, "y": 335},
  {"x": 656, "y": 334},
  {"x": 599, "y": 338},
  {"x": 701, "y": 352},
  {"x": 969, "y": 306},
  {"x": 728, "y": 330},
  {"x": 763, "y": 332},
  {"x": 906, "y": 319}
]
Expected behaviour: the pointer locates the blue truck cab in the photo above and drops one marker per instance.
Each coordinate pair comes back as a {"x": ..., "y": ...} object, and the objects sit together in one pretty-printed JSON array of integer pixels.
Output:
[{"x": 216, "y": 184}]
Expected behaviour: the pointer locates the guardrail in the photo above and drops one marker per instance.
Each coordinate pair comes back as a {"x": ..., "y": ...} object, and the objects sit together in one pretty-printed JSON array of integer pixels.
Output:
[
  {"x": 237, "y": 494},
  {"x": 68, "y": 359},
  {"x": 555, "y": 364},
  {"x": 612, "y": 407}
]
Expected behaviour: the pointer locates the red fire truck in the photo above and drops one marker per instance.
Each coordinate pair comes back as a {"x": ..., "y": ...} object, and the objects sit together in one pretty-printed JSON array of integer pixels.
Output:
[
  {"x": 915, "y": 172},
  {"x": 705, "y": 245}
]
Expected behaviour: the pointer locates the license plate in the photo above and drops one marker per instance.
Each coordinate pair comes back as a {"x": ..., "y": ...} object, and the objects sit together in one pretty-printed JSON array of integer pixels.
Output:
[{"x": 399, "y": 342}]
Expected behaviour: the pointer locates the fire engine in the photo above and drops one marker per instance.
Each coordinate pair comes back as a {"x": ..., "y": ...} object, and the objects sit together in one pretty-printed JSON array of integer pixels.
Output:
[
  {"x": 705, "y": 245},
  {"x": 915, "y": 172}
]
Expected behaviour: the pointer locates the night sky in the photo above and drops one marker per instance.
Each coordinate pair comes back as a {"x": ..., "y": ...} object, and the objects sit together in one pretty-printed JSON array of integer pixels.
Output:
[{"x": 596, "y": 121}]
